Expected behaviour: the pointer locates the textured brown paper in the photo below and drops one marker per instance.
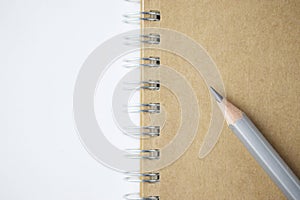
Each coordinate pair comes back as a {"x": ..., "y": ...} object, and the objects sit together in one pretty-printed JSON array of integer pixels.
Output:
[{"x": 256, "y": 47}]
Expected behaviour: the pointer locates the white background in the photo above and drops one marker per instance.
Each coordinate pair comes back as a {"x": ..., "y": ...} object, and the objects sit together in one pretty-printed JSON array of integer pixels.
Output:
[{"x": 42, "y": 46}]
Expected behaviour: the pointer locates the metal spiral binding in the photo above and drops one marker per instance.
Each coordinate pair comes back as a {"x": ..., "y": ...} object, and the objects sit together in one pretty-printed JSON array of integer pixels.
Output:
[
  {"x": 145, "y": 108},
  {"x": 136, "y": 196},
  {"x": 151, "y": 39},
  {"x": 150, "y": 154},
  {"x": 142, "y": 177},
  {"x": 151, "y": 108},
  {"x": 133, "y": 1},
  {"x": 145, "y": 85},
  {"x": 135, "y": 18},
  {"x": 150, "y": 85},
  {"x": 142, "y": 62},
  {"x": 144, "y": 131}
]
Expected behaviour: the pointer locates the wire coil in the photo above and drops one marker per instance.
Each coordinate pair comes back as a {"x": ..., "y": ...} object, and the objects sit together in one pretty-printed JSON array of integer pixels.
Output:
[
  {"x": 133, "y": 1},
  {"x": 150, "y": 154},
  {"x": 146, "y": 85},
  {"x": 142, "y": 62},
  {"x": 145, "y": 108},
  {"x": 150, "y": 108},
  {"x": 150, "y": 39},
  {"x": 144, "y": 131},
  {"x": 142, "y": 177},
  {"x": 150, "y": 85},
  {"x": 136, "y": 196},
  {"x": 135, "y": 18}
]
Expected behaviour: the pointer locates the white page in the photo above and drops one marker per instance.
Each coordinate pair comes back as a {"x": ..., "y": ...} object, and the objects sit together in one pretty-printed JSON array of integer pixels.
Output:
[{"x": 43, "y": 45}]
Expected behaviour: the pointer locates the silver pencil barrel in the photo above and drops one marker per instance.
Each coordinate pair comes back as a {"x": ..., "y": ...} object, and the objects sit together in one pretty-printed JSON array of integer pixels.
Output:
[{"x": 267, "y": 157}]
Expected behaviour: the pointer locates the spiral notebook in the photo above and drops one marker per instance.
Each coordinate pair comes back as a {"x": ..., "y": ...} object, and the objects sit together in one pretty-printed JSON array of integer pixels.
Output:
[{"x": 255, "y": 46}]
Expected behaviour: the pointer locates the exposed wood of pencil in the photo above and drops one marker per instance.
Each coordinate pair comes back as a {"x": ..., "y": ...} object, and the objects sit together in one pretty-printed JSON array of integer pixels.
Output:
[{"x": 231, "y": 113}]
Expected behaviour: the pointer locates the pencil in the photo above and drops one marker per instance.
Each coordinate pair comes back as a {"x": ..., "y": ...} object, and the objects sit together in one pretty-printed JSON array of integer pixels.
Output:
[{"x": 259, "y": 148}]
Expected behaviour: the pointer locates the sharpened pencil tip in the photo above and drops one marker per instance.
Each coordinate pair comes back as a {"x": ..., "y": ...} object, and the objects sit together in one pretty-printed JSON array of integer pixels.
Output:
[{"x": 217, "y": 96}]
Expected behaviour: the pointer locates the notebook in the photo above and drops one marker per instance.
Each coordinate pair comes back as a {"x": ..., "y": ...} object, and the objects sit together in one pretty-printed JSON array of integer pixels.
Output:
[{"x": 255, "y": 47}]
